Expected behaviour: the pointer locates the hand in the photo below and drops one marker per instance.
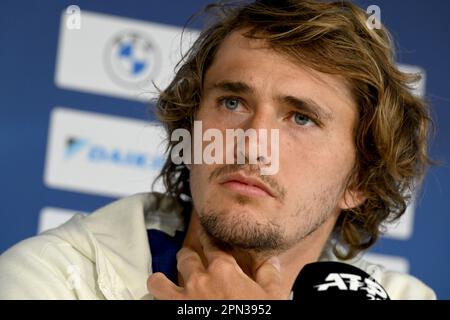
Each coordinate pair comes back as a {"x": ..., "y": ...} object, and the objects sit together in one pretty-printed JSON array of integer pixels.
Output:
[{"x": 221, "y": 279}]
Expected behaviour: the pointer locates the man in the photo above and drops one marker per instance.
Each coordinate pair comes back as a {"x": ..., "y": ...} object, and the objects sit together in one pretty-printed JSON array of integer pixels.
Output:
[{"x": 352, "y": 142}]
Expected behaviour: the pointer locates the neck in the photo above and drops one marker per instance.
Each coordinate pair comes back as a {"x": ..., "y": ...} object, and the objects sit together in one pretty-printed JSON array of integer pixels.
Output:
[{"x": 292, "y": 260}]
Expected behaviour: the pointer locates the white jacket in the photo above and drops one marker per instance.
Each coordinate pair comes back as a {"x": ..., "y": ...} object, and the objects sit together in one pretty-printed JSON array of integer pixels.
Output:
[{"x": 106, "y": 255}]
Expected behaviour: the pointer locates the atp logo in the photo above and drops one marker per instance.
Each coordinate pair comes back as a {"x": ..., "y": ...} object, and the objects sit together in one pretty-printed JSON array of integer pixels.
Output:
[{"x": 353, "y": 282}]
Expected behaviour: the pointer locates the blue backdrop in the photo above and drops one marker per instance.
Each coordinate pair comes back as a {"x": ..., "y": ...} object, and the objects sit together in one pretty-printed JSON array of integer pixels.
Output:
[{"x": 29, "y": 33}]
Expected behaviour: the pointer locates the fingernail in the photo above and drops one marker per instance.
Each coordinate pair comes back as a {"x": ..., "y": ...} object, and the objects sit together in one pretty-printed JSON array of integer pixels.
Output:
[{"x": 276, "y": 263}]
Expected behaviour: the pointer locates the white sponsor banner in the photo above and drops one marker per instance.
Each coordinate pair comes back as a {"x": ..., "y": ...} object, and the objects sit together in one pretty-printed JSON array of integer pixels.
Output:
[
  {"x": 118, "y": 56},
  {"x": 393, "y": 263},
  {"x": 50, "y": 218},
  {"x": 102, "y": 154},
  {"x": 418, "y": 88},
  {"x": 403, "y": 228}
]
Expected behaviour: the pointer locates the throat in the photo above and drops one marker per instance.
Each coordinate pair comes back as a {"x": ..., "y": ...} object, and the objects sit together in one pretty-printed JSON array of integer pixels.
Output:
[{"x": 250, "y": 261}]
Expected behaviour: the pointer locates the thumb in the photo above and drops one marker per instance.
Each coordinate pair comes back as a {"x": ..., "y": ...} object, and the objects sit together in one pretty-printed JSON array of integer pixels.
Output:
[
  {"x": 268, "y": 275},
  {"x": 161, "y": 288}
]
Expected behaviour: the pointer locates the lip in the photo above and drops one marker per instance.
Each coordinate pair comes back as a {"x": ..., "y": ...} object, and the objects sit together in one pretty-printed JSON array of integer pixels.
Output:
[{"x": 243, "y": 184}]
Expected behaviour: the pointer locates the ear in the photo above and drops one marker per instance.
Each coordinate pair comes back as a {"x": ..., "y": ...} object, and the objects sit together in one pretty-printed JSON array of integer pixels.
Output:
[{"x": 351, "y": 199}]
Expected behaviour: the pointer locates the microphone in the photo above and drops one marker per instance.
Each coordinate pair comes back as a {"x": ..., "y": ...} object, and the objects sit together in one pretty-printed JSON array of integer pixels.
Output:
[{"x": 337, "y": 281}]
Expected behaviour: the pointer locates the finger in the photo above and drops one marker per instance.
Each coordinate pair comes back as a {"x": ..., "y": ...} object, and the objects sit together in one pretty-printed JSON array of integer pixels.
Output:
[
  {"x": 188, "y": 263},
  {"x": 212, "y": 252},
  {"x": 268, "y": 275},
  {"x": 162, "y": 288}
]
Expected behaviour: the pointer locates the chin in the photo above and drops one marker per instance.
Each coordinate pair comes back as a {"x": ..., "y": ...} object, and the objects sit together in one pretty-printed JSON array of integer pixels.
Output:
[
  {"x": 234, "y": 211},
  {"x": 233, "y": 201},
  {"x": 225, "y": 203},
  {"x": 241, "y": 229}
]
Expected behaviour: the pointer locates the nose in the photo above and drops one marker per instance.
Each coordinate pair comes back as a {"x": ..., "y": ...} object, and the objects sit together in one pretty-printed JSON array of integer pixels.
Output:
[{"x": 257, "y": 145}]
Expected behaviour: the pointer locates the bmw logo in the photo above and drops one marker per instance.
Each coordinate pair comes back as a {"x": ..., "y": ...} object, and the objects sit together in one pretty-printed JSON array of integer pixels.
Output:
[{"x": 131, "y": 59}]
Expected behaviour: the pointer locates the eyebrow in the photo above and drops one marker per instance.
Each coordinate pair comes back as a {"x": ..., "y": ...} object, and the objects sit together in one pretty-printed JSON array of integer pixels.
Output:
[
  {"x": 233, "y": 86},
  {"x": 301, "y": 104},
  {"x": 306, "y": 105}
]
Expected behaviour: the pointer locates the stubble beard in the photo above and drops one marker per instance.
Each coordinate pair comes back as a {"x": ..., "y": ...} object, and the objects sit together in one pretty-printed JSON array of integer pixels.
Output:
[
  {"x": 236, "y": 232},
  {"x": 242, "y": 232}
]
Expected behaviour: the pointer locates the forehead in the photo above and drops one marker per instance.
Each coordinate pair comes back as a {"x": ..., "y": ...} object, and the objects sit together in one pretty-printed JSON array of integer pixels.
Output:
[{"x": 249, "y": 60}]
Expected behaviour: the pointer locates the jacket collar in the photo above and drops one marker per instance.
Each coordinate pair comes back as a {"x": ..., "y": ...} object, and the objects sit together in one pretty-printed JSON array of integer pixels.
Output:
[{"x": 117, "y": 240}]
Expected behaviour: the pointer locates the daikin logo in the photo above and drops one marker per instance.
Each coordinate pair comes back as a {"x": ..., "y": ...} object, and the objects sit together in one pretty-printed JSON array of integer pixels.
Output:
[
  {"x": 73, "y": 146},
  {"x": 100, "y": 154}
]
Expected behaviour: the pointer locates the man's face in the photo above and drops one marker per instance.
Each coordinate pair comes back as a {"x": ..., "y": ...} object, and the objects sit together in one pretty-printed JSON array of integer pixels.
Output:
[{"x": 251, "y": 86}]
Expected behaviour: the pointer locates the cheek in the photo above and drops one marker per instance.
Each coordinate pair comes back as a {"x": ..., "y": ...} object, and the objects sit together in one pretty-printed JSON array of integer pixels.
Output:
[
  {"x": 198, "y": 177},
  {"x": 201, "y": 188},
  {"x": 308, "y": 166},
  {"x": 298, "y": 159}
]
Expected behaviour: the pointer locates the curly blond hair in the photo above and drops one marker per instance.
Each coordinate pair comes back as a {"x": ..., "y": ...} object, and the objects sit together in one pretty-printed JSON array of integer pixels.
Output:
[{"x": 391, "y": 131}]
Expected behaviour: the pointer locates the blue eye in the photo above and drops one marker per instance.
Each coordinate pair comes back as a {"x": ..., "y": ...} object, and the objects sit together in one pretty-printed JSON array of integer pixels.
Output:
[
  {"x": 301, "y": 119},
  {"x": 230, "y": 104}
]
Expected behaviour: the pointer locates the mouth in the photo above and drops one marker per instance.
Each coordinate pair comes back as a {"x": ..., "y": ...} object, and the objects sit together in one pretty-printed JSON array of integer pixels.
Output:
[{"x": 245, "y": 185}]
